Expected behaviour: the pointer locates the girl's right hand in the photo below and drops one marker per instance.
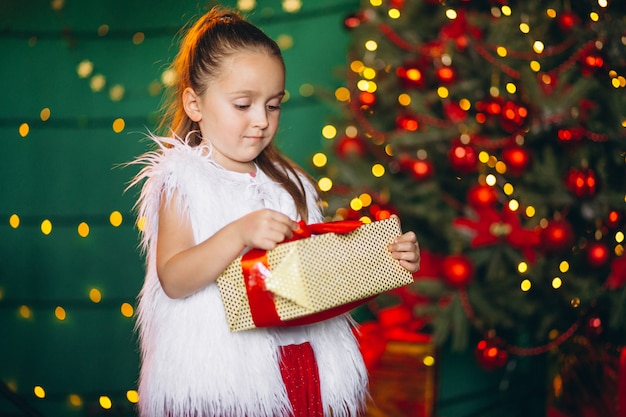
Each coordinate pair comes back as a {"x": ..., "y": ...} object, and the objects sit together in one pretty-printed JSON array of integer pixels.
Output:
[{"x": 264, "y": 229}]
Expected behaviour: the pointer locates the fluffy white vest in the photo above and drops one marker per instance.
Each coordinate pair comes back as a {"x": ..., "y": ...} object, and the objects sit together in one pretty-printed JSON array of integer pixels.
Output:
[{"x": 192, "y": 365}]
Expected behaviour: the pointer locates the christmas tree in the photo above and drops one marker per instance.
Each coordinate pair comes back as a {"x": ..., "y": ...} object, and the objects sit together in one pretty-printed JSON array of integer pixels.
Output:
[{"x": 496, "y": 130}]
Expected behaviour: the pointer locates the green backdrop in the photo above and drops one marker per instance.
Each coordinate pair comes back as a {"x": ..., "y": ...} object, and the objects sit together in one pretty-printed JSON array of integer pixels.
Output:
[{"x": 62, "y": 353}]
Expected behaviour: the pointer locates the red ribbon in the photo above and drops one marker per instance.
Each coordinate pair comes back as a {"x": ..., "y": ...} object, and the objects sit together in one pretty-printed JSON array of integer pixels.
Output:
[{"x": 254, "y": 266}]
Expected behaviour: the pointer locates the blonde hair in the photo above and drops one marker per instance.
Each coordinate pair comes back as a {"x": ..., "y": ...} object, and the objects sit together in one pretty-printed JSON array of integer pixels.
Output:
[{"x": 212, "y": 39}]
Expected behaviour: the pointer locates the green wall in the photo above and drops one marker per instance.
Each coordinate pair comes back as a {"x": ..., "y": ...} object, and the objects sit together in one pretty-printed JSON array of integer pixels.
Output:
[{"x": 65, "y": 170}]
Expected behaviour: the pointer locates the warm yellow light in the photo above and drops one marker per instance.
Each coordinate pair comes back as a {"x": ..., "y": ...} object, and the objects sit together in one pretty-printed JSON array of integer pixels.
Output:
[
  {"x": 619, "y": 237},
  {"x": 511, "y": 88},
  {"x": 325, "y": 184},
  {"x": 115, "y": 218},
  {"x": 500, "y": 167},
  {"x": 524, "y": 28},
  {"x": 138, "y": 38},
  {"x": 371, "y": 87},
  {"x": 118, "y": 125},
  {"x": 24, "y": 129},
  {"x": 535, "y": 66},
  {"x": 132, "y": 396},
  {"x": 127, "y": 310},
  {"x": 356, "y": 204},
  {"x": 75, "y": 400},
  {"x": 538, "y": 47},
  {"x": 522, "y": 267},
  {"x": 84, "y": 68},
  {"x": 465, "y": 104},
  {"x": 483, "y": 157},
  {"x": 525, "y": 285},
  {"x": 44, "y": 114},
  {"x": 363, "y": 85},
  {"x": 371, "y": 45},
  {"x": 428, "y": 360},
  {"x": 513, "y": 205},
  {"x": 506, "y": 10},
  {"x": 59, "y": 313},
  {"x": 594, "y": 16},
  {"x": 246, "y": 5},
  {"x": 105, "y": 402},
  {"x": 575, "y": 302},
  {"x": 168, "y": 77},
  {"x": 564, "y": 266},
  {"x": 319, "y": 159},
  {"x": 557, "y": 283},
  {"x": 501, "y": 51},
  {"x": 404, "y": 99},
  {"x": 376, "y": 3},
  {"x": 284, "y": 41},
  {"x": 83, "y": 229},
  {"x": 443, "y": 92},
  {"x": 25, "y": 312},
  {"x": 365, "y": 220},
  {"x": 491, "y": 180},
  {"x": 329, "y": 131},
  {"x": 451, "y": 14},
  {"x": 551, "y": 13},
  {"x": 378, "y": 170},
  {"x": 342, "y": 94},
  {"x": 116, "y": 93},
  {"x": 14, "y": 221},
  {"x": 292, "y": 6},
  {"x": 46, "y": 227},
  {"x": 366, "y": 199},
  {"x": 369, "y": 73},
  {"x": 357, "y": 66},
  {"x": 39, "y": 391},
  {"x": 97, "y": 82},
  {"x": 530, "y": 211},
  {"x": 508, "y": 188},
  {"x": 141, "y": 223},
  {"x": 394, "y": 13},
  {"x": 95, "y": 295}
]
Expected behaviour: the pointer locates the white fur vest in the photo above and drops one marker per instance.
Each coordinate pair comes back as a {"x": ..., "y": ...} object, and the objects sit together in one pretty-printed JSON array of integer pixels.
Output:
[{"x": 192, "y": 365}]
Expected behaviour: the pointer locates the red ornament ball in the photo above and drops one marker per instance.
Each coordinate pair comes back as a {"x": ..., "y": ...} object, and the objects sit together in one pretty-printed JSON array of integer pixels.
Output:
[
  {"x": 463, "y": 158},
  {"x": 422, "y": 169},
  {"x": 491, "y": 354},
  {"x": 446, "y": 75},
  {"x": 407, "y": 122},
  {"x": 558, "y": 236},
  {"x": 581, "y": 182},
  {"x": 481, "y": 196},
  {"x": 457, "y": 271},
  {"x": 571, "y": 134},
  {"x": 516, "y": 158},
  {"x": 597, "y": 254},
  {"x": 366, "y": 98},
  {"x": 613, "y": 219},
  {"x": 411, "y": 76},
  {"x": 346, "y": 147},
  {"x": 567, "y": 20}
]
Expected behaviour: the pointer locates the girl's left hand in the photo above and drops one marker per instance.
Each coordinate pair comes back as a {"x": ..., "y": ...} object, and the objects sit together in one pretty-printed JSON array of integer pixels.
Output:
[{"x": 406, "y": 250}]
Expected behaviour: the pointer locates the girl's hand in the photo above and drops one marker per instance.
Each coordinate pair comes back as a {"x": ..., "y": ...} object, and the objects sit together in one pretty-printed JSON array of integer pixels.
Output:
[
  {"x": 264, "y": 229},
  {"x": 406, "y": 249}
]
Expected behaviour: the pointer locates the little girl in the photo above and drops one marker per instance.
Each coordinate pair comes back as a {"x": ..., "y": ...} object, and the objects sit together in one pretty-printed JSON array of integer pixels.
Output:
[{"x": 216, "y": 187}]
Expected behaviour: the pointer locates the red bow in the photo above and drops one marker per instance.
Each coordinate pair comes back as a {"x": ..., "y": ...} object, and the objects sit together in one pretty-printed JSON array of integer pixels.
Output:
[{"x": 254, "y": 266}]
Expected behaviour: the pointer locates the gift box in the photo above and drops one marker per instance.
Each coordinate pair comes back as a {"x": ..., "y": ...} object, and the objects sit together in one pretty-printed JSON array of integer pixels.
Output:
[
  {"x": 313, "y": 277},
  {"x": 403, "y": 383}
]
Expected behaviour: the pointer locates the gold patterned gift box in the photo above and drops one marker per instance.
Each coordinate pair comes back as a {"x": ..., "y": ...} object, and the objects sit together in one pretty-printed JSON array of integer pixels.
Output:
[{"x": 312, "y": 278}]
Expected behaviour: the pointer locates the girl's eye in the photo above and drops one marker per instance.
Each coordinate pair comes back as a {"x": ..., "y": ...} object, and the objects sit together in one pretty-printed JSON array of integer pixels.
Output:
[
  {"x": 273, "y": 108},
  {"x": 242, "y": 106}
]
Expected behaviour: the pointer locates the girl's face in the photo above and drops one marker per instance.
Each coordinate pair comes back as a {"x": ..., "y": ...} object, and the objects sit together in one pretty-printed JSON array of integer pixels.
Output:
[{"x": 238, "y": 112}]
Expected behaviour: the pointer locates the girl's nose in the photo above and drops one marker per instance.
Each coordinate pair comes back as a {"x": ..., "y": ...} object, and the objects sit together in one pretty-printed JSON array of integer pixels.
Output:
[{"x": 260, "y": 119}]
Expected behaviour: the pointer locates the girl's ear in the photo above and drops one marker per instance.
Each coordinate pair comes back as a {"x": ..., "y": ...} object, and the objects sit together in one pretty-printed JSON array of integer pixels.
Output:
[{"x": 191, "y": 104}]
